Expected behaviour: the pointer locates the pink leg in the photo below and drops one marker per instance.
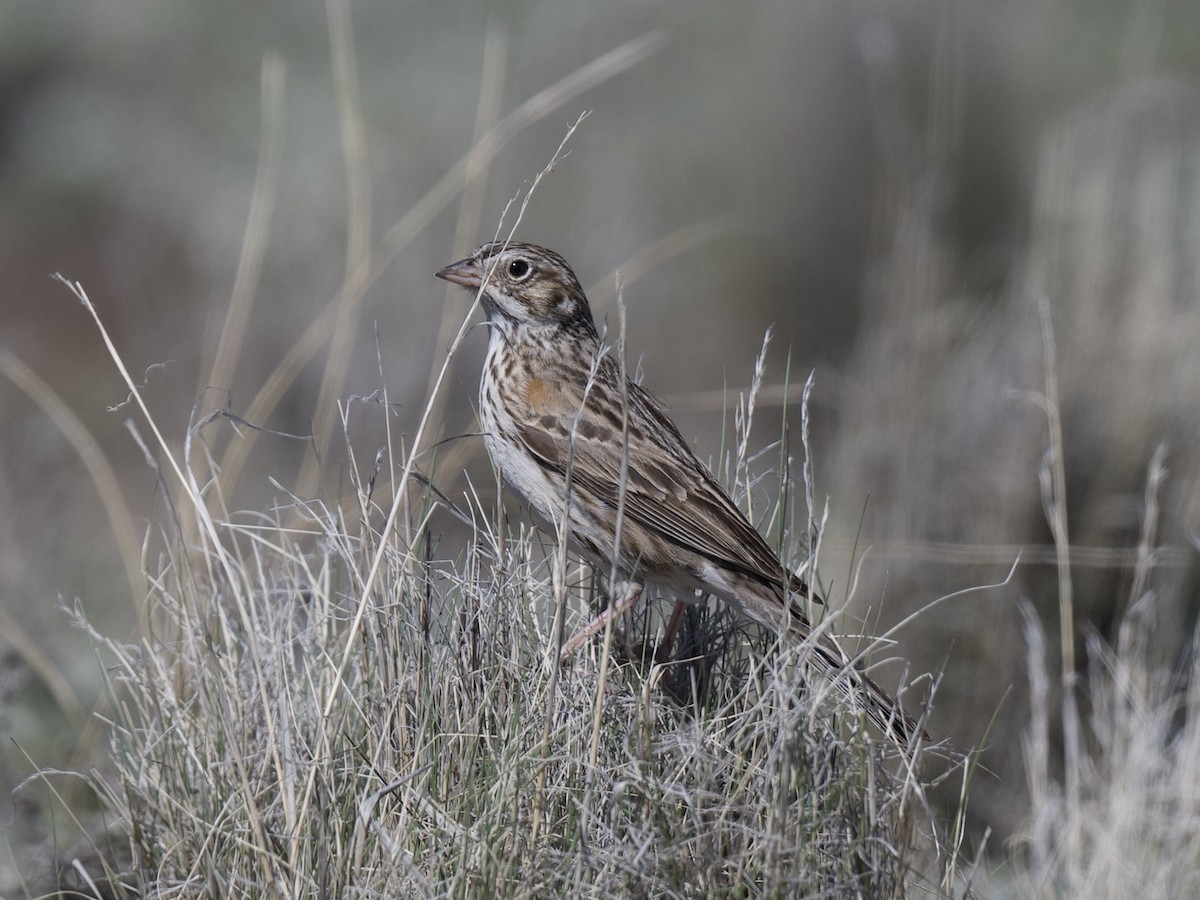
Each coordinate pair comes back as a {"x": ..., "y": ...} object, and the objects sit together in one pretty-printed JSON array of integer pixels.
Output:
[
  {"x": 632, "y": 592},
  {"x": 662, "y": 654}
]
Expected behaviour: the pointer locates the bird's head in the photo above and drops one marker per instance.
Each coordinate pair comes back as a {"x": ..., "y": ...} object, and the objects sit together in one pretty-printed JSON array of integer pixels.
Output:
[{"x": 523, "y": 285}]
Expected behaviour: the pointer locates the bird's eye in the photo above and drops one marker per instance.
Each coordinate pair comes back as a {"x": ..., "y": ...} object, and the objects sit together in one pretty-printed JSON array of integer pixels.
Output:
[{"x": 519, "y": 268}]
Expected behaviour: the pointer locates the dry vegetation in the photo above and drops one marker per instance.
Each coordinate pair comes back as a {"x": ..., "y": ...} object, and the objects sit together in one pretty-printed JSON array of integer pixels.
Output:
[
  {"x": 319, "y": 705},
  {"x": 347, "y": 689}
]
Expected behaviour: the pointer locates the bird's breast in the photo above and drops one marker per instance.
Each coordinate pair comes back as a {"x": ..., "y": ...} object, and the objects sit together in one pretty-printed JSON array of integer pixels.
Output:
[{"x": 506, "y": 397}]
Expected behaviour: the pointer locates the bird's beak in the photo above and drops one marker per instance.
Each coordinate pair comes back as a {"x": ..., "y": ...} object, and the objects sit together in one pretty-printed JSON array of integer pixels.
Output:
[{"x": 465, "y": 272}]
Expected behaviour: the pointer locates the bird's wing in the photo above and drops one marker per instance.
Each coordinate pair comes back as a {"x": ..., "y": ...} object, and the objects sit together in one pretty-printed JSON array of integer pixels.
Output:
[{"x": 667, "y": 489}]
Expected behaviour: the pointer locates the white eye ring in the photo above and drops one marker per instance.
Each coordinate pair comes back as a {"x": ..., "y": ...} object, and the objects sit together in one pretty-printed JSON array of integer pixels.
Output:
[{"x": 519, "y": 269}]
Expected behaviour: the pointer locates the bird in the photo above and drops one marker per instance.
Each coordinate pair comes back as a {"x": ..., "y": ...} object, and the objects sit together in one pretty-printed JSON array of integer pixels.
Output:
[{"x": 582, "y": 443}]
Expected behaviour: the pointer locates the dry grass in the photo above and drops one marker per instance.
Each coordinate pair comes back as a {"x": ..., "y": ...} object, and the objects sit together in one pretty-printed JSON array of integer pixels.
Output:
[
  {"x": 1131, "y": 825},
  {"x": 1123, "y": 817},
  {"x": 324, "y": 699},
  {"x": 323, "y": 705}
]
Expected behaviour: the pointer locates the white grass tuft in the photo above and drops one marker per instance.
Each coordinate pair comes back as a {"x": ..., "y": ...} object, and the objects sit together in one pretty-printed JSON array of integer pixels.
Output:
[{"x": 324, "y": 705}]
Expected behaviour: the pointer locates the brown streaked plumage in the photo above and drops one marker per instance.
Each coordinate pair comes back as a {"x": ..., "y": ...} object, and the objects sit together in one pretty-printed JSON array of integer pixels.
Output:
[{"x": 553, "y": 405}]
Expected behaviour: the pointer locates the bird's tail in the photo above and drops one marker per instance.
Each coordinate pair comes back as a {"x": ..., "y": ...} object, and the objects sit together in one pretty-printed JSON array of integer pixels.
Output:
[{"x": 833, "y": 665}]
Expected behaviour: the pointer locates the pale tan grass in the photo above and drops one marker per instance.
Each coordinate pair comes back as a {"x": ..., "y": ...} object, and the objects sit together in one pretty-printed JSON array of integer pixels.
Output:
[
  {"x": 328, "y": 709},
  {"x": 342, "y": 340}
]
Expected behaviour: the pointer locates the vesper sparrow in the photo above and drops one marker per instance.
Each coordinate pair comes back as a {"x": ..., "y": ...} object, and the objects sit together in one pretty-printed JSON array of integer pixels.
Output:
[{"x": 554, "y": 407}]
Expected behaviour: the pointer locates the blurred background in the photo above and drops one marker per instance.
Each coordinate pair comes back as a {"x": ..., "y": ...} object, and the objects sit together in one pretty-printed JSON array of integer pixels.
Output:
[{"x": 920, "y": 197}]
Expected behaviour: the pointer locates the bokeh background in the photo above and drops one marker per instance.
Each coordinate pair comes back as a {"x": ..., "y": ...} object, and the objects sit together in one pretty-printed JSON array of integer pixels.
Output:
[{"x": 920, "y": 197}]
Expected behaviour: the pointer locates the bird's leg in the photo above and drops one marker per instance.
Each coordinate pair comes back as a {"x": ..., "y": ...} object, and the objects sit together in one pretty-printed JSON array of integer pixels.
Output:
[
  {"x": 633, "y": 590},
  {"x": 662, "y": 653}
]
